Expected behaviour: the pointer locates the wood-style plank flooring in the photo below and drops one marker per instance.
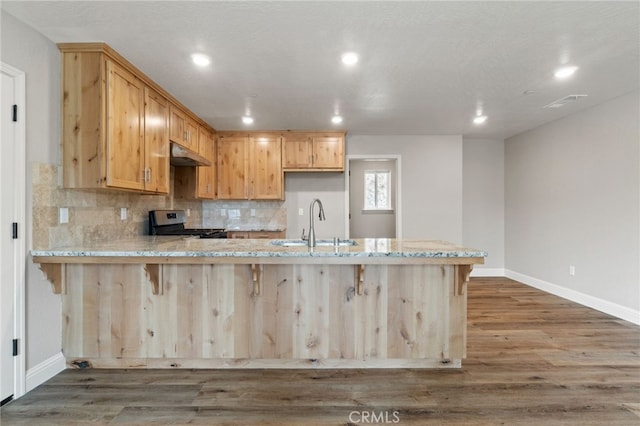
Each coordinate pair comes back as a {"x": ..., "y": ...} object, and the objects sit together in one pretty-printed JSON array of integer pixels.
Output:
[{"x": 533, "y": 359}]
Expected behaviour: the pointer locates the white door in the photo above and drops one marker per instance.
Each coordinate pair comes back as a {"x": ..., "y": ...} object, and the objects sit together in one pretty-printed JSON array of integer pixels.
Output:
[{"x": 10, "y": 193}]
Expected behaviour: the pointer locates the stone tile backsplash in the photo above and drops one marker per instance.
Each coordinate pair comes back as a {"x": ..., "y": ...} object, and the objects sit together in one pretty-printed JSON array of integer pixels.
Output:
[
  {"x": 94, "y": 215},
  {"x": 258, "y": 214}
]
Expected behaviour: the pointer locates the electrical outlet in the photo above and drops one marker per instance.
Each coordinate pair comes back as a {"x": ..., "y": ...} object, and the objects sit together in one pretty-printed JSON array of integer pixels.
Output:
[
  {"x": 300, "y": 212},
  {"x": 223, "y": 212},
  {"x": 188, "y": 212},
  {"x": 64, "y": 215},
  {"x": 123, "y": 213},
  {"x": 572, "y": 270},
  {"x": 253, "y": 212}
]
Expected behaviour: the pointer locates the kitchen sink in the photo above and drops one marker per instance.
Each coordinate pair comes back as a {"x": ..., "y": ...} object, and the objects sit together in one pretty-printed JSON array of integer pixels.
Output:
[{"x": 319, "y": 243}]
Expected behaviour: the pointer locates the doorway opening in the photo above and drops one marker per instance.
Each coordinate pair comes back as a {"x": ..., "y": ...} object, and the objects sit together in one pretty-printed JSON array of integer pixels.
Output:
[{"x": 373, "y": 196}]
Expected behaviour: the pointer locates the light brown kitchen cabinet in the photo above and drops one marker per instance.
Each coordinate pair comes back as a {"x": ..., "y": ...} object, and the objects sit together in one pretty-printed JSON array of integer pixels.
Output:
[
  {"x": 115, "y": 122},
  {"x": 250, "y": 167},
  {"x": 183, "y": 130},
  {"x": 125, "y": 129},
  {"x": 156, "y": 148},
  {"x": 267, "y": 235},
  {"x": 114, "y": 128},
  {"x": 313, "y": 152},
  {"x": 137, "y": 134},
  {"x": 232, "y": 154},
  {"x": 206, "y": 175}
]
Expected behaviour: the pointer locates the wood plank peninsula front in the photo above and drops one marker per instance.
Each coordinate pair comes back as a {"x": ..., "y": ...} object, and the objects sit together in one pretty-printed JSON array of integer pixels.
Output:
[{"x": 162, "y": 302}]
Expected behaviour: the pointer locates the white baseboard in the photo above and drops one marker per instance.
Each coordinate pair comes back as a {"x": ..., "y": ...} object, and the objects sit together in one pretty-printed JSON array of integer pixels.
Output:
[
  {"x": 601, "y": 305},
  {"x": 487, "y": 272},
  {"x": 45, "y": 370}
]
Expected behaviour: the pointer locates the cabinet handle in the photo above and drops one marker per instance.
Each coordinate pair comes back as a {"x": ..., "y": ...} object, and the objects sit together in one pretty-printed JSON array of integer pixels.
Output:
[
  {"x": 149, "y": 176},
  {"x": 185, "y": 135}
]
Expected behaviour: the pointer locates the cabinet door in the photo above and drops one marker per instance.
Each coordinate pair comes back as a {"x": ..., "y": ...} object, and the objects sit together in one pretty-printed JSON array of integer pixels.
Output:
[
  {"x": 238, "y": 235},
  {"x": 265, "y": 166},
  {"x": 192, "y": 135},
  {"x": 298, "y": 152},
  {"x": 125, "y": 128},
  {"x": 267, "y": 235},
  {"x": 206, "y": 175},
  {"x": 232, "y": 155},
  {"x": 328, "y": 153},
  {"x": 178, "y": 126},
  {"x": 156, "y": 142}
]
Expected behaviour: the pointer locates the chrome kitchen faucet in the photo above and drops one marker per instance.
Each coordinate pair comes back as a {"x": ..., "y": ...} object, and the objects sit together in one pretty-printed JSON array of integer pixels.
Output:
[{"x": 312, "y": 233}]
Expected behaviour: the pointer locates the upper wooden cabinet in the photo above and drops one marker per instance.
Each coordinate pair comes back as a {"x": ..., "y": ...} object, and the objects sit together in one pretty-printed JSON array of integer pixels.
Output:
[
  {"x": 107, "y": 111},
  {"x": 183, "y": 130},
  {"x": 125, "y": 129},
  {"x": 250, "y": 167},
  {"x": 206, "y": 175},
  {"x": 156, "y": 148},
  {"x": 198, "y": 182},
  {"x": 115, "y": 122},
  {"x": 313, "y": 152}
]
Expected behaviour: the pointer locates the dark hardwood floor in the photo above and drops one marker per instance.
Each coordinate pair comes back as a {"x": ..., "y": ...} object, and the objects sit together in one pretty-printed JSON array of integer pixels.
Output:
[{"x": 533, "y": 359}]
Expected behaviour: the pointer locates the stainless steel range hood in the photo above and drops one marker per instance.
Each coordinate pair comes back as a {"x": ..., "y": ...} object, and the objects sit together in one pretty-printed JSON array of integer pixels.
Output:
[{"x": 186, "y": 158}]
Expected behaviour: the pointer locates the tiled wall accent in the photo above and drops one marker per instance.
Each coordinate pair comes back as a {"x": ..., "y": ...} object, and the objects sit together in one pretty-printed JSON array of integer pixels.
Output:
[
  {"x": 227, "y": 214},
  {"x": 94, "y": 215}
]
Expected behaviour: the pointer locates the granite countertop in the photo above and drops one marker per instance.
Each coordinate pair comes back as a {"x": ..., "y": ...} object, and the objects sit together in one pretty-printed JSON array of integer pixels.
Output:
[{"x": 193, "y": 247}]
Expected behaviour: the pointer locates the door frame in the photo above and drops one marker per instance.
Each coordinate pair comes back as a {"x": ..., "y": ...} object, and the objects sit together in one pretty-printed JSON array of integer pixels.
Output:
[
  {"x": 397, "y": 186},
  {"x": 20, "y": 253}
]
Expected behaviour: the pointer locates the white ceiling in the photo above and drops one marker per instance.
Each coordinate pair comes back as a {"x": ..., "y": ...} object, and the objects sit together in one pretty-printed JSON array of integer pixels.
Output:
[{"x": 425, "y": 67}]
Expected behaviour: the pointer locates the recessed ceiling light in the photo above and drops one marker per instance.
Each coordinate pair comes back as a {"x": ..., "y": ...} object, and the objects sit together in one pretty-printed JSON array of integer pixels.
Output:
[
  {"x": 349, "y": 58},
  {"x": 565, "y": 72},
  {"x": 336, "y": 119},
  {"x": 247, "y": 120},
  {"x": 200, "y": 59},
  {"x": 480, "y": 119}
]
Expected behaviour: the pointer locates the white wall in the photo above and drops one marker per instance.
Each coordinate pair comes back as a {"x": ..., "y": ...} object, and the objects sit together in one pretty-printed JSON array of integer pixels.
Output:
[
  {"x": 483, "y": 201},
  {"x": 301, "y": 189},
  {"x": 572, "y": 192},
  {"x": 431, "y": 168},
  {"x": 24, "y": 48},
  {"x": 431, "y": 187}
]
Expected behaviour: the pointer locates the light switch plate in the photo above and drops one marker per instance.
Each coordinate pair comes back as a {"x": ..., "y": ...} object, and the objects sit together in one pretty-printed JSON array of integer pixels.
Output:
[
  {"x": 123, "y": 213},
  {"x": 300, "y": 212}
]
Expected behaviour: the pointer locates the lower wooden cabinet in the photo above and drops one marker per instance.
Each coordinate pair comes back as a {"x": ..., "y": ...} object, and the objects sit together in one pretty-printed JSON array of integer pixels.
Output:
[{"x": 268, "y": 235}]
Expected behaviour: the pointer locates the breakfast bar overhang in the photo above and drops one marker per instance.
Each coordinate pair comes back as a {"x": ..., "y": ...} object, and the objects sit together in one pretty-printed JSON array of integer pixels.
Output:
[{"x": 175, "y": 302}]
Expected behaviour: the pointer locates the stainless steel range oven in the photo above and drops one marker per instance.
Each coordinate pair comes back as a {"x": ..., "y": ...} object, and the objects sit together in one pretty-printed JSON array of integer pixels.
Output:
[{"x": 171, "y": 222}]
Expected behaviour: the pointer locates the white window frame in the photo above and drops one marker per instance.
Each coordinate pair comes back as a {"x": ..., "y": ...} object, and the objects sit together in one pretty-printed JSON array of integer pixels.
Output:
[{"x": 388, "y": 208}]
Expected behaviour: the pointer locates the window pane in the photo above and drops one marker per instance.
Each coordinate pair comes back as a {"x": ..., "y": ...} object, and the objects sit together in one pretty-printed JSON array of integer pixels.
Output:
[
  {"x": 377, "y": 189},
  {"x": 382, "y": 189},
  {"x": 369, "y": 190}
]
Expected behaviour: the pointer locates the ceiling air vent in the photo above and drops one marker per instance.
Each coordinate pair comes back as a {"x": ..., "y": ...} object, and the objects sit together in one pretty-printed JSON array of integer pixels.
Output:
[{"x": 566, "y": 100}]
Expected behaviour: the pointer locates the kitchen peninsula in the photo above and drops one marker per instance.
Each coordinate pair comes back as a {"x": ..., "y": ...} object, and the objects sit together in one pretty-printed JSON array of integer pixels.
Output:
[{"x": 162, "y": 302}]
